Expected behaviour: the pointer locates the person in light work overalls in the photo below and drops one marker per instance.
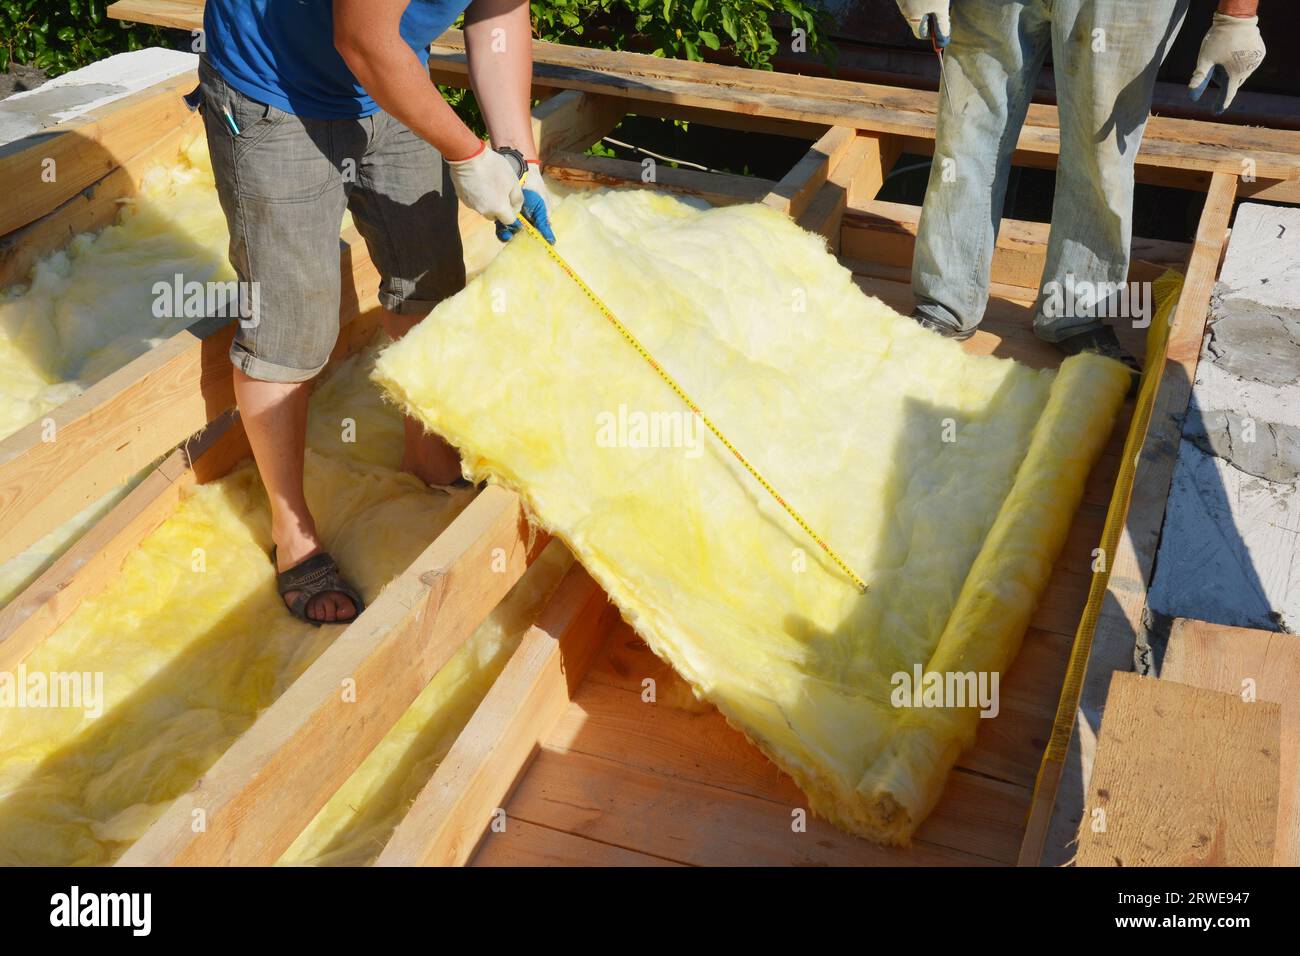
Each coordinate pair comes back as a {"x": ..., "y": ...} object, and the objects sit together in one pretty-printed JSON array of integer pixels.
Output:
[
  {"x": 312, "y": 107},
  {"x": 1105, "y": 54}
]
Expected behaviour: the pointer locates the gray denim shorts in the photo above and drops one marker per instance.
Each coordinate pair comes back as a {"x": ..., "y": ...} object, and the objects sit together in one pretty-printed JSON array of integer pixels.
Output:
[{"x": 284, "y": 182}]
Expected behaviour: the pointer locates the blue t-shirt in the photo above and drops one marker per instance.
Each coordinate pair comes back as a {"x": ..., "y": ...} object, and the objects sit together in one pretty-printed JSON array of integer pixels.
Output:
[{"x": 282, "y": 51}]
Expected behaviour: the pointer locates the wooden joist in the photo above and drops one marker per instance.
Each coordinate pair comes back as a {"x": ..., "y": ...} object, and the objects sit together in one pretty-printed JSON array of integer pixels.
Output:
[
  {"x": 444, "y": 825},
  {"x": 1183, "y": 777},
  {"x": 91, "y": 208},
  {"x": 797, "y": 188},
  {"x": 87, "y": 566},
  {"x": 259, "y": 795},
  {"x": 1063, "y": 778},
  {"x": 573, "y": 121},
  {"x": 1176, "y": 151},
  {"x": 94, "y": 442},
  {"x": 46, "y": 169},
  {"x": 719, "y": 189},
  {"x": 885, "y": 233}
]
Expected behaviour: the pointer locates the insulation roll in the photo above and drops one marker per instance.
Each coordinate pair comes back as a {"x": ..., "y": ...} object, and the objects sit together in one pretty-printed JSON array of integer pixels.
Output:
[{"x": 944, "y": 479}]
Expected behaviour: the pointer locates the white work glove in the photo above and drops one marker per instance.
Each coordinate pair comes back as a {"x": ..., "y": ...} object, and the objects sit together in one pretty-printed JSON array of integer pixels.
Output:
[
  {"x": 537, "y": 184},
  {"x": 1233, "y": 49},
  {"x": 917, "y": 13},
  {"x": 488, "y": 184}
]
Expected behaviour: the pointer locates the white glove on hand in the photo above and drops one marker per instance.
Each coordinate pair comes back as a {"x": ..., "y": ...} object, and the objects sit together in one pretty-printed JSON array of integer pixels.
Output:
[
  {"x": 1233, "y": 44},
  {"x": 488, "y": 184},
  {"x": 917, "y": 13},
  {"x": 537, "y": 184}
]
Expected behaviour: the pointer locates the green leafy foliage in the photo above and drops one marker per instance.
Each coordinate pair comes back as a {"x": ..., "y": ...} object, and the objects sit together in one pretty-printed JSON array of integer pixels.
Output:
[
  {"x": 62, "y": 35},
  {"x": 686, "y": 29}
]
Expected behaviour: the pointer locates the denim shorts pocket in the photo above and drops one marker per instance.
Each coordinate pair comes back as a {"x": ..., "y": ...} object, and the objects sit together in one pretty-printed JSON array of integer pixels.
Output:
[{"x": 244, "y": 119}]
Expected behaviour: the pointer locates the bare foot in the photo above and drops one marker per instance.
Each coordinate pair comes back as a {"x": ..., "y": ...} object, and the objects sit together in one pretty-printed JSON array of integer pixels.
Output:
[
  {"x": 429, "y": 457},
  {"x": 291, "y": 549}
]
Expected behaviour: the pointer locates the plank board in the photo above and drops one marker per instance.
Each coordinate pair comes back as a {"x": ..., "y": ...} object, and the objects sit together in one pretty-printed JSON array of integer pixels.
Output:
[
  {"x": 92, "y": 208},
  {"x": 1236, "y": 660},
  {"x": 621, "y": 771},
  {"x": 796, "y": 189},
  {"x": 1183, "y": 777},
  {"x": 1169, "y": 145},
  {"x": 138, "y": 413},
  {"x": 885, "y": 233},
  {"x": 1058, "y": 809},
  {"x": 444, "y": 825}
]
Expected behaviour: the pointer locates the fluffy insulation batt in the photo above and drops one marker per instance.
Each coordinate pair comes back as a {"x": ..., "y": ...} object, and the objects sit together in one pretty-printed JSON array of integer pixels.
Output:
[
  {"x": 88, "y": 309},
  {"x": 193, "y": 643},
  {"x": 353, "y": 827},
  {"x": 947, "y": 480}
]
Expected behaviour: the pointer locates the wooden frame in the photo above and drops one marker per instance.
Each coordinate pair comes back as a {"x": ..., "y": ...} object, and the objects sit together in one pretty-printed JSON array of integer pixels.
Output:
[
  {"x": 270, "y": 783},
  {"x": 137, "y": 414}
]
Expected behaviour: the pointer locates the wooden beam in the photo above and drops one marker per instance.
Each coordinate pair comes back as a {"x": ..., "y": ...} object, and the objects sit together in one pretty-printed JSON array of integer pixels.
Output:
[
  {"x": 91, "y": 209},
  {"x": 449, "y": 817},
  {"x": 573, "y": 121},
  {"x": 90, "y": 563},
  {"x": 176, "y": 14},
  {"x": 861, "y": 170},
  {"x": 1170, "y": 147},
  {"x": 885, "y": 233},
  {"x": 260, "y": 794},
  {"x": 1258, "y": 665},
  {"x": 719, "y": 189},
  {"x": 797, "y": 187},
  {"x": 46, "y": 169},
  {"x": 1183, "y": 777},
  {"x": 85, "y": 568},
  {"x": 1057, "y": 811},
  {"x": 138, "y": 413}
]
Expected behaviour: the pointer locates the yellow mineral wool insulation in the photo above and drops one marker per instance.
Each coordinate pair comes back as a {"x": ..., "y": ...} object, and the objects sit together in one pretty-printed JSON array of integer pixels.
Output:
[
  {"x": 26, "y": 566},
  {"x": 90, "y": 308},
  {"x": 946, "y": 480},
  {"x": 355, "y": 825},
  {"x": 192, "y": 640}
]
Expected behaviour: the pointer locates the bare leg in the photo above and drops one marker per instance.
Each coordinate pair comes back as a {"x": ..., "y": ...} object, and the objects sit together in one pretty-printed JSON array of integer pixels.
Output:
[
  {"x": 275, "y": 417},
  {"x": 425, "y": 455}
]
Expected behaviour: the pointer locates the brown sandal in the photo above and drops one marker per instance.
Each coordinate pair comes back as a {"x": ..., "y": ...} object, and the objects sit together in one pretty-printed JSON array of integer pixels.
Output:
[{"x": 313, "y": 577}]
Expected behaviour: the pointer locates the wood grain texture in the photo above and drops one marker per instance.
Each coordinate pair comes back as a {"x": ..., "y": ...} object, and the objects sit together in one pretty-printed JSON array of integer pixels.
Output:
[
  {"x": 1121, "y": 619},
  {"x": 1183, "y": 777},
  {"x": 46, "y": 169},
  {"x": 268, "y": 786},
  {"x": 444, "y": 825},
  {"x": 718, "y": 189},
  {"x": 526, "y": 844},
  {"x": 91, "y": 208},
  {"x": 570, "y": 120},
  {"x": 796, "y": 189},
  {"x": 1236, "y": 660},
  {"x": 885, "y": 233},
  {"x": 138, "y": 413},
  {"x": 1169, "y": 147}
]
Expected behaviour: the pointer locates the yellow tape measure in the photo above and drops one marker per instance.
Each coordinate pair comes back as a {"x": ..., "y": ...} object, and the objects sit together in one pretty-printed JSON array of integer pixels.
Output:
[{"x": 681, "y": 393}]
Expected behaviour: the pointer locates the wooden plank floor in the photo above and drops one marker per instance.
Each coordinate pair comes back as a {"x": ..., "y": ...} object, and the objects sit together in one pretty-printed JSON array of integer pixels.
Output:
[{"x": 620, "y": 781}]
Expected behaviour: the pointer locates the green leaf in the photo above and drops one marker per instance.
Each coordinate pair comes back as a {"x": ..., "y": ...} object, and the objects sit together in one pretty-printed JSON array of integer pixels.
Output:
[
  {"x": 710, "y": 40},
  {"x": 729, "y": 23}
]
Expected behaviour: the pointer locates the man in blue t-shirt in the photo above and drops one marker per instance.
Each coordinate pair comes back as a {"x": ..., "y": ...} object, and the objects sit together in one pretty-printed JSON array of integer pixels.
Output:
[{"x": 314, "y": 107}]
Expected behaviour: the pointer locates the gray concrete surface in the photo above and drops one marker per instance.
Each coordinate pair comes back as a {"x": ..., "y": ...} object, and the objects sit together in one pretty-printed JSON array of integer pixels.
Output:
[
  {"x": 72, "y": 94},
  {"x": 1230, "y": 549}
]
